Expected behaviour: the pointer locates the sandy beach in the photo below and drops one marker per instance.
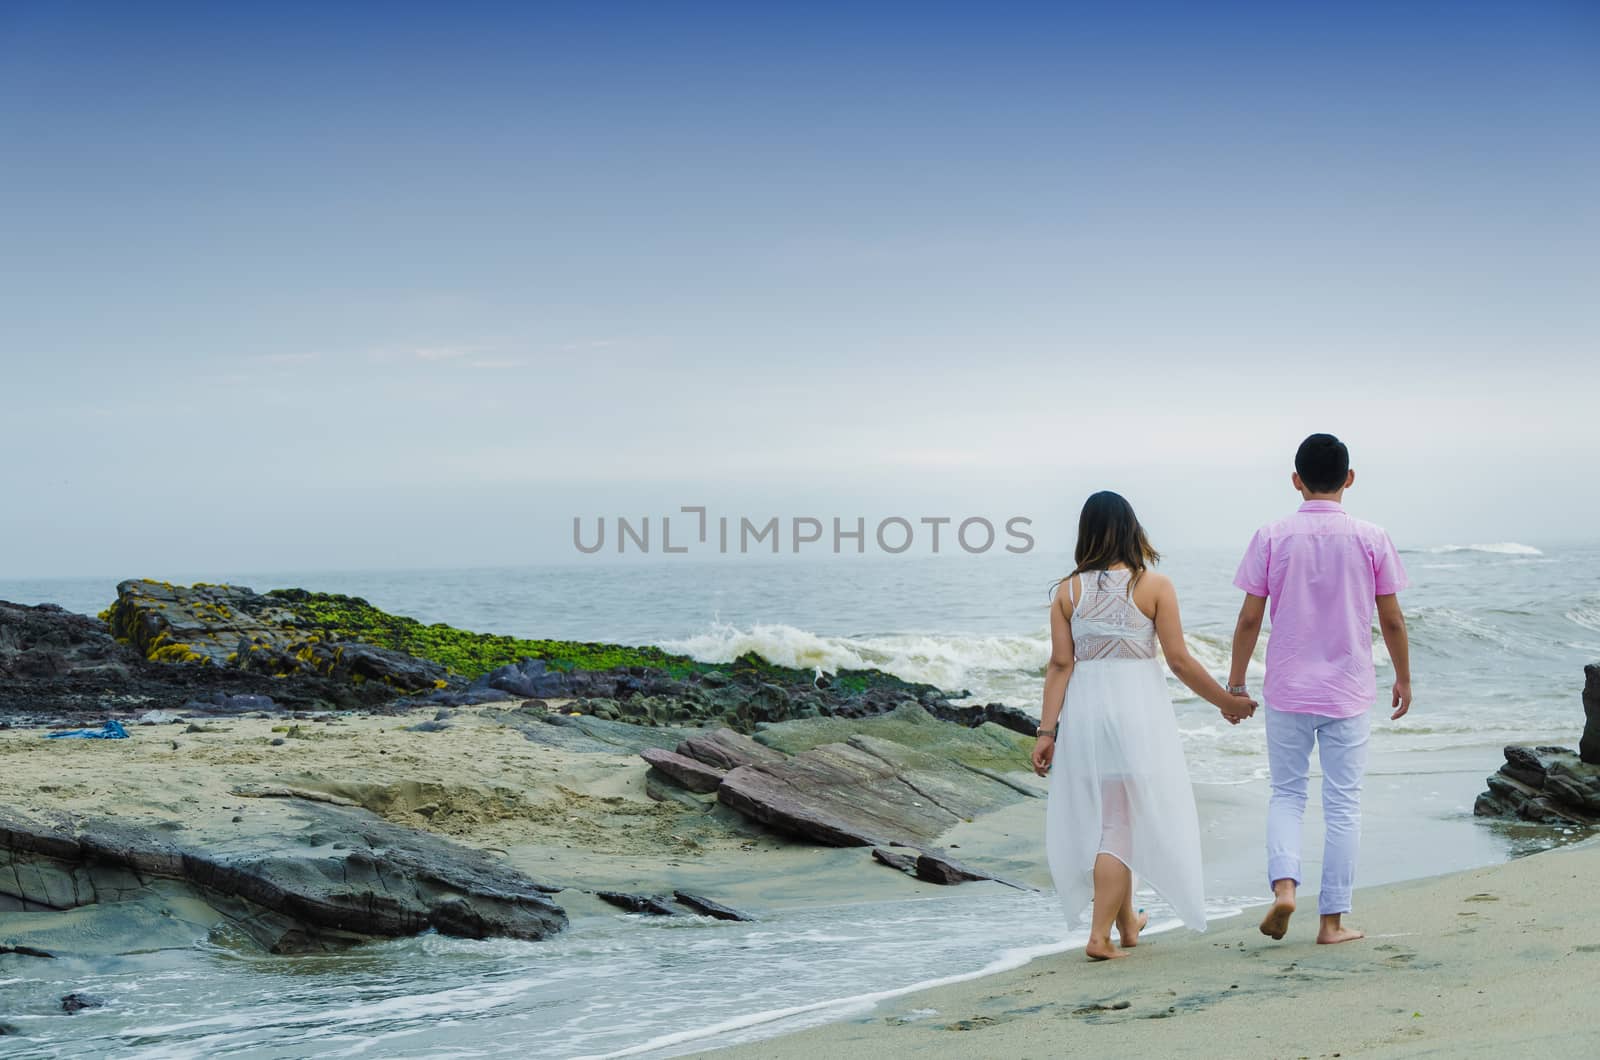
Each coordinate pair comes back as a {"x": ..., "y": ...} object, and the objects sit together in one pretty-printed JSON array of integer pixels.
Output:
[
  {"x": 581, "y": 818},
  {"x": 1490, "y": 962}
]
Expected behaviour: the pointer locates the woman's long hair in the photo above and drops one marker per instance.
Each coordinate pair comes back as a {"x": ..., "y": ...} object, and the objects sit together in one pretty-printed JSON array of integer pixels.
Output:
[{"x": 1109, "y": 533}]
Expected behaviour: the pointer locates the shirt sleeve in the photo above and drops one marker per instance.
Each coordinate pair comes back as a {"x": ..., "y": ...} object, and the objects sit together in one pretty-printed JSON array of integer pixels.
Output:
[
  {"x": 1252, "y": 573},
  {"x": 1388, "y": 573}
]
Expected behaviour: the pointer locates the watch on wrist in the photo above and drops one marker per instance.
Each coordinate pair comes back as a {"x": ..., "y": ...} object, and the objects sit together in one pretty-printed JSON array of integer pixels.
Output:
[
  {"x": 1238, "y": 690},
  {"x": 1051, "y": 731}
]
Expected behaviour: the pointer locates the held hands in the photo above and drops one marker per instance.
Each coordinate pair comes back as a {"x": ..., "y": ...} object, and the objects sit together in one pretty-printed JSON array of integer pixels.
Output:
[
  {"x": 1237, "y": 708},
  {"x": 1402, "y": 700}
]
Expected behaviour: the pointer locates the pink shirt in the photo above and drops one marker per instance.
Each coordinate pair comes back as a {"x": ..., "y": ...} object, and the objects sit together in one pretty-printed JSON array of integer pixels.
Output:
[{"x": 1322, "y": 570}]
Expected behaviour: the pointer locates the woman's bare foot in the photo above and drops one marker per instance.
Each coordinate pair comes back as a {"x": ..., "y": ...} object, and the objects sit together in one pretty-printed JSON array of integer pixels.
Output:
[
  {"x": 1102, "y": 950},
  {"x": 1332, "y": 932},
  {"x": 1276, "y": 923},
  {"x": 1129, "y": 935}
]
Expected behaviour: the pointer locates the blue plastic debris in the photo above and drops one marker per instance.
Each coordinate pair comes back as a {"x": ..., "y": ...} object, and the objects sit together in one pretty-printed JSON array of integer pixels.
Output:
[{"x": 112, "y": 730}]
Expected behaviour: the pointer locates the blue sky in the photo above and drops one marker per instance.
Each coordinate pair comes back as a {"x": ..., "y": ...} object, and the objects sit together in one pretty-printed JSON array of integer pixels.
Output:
[{"x": 327, "y": 285}]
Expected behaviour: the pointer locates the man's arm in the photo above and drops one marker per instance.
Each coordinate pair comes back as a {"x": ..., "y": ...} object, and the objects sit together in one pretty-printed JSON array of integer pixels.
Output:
[
  {"x": 1393, "y": 625},
  {"x": 1246, "y": 632}
]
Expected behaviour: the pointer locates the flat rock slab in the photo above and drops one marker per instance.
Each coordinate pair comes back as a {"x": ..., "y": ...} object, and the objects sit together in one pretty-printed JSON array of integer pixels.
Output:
[
  {"x": 726, "y": 749},
  {"x": 904, "y": 862},
  {"x": 321, "y": 877},
  {"x": 706, "y": 907},
  {"x": 936, "y": 868},
  {"x": 863, "y": 792},
  {"x": 651, "y": 904},
  {"x": 694, "y": 775}
]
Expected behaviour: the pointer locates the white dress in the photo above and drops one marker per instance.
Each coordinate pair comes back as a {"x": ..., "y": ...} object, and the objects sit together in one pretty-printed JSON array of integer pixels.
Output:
[{"x": 1119, "y": 784}]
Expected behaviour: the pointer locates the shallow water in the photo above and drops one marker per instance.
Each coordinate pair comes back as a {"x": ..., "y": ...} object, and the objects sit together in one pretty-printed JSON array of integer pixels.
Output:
[{"x": 1499, "y": 638}]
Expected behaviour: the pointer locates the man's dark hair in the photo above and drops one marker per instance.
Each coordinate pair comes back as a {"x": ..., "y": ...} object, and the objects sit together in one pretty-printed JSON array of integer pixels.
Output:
[{"x": 1322, "y": 462}]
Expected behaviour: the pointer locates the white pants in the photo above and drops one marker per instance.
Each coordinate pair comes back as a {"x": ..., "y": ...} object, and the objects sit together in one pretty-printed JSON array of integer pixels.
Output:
[{"x": 1342, "y": 749}]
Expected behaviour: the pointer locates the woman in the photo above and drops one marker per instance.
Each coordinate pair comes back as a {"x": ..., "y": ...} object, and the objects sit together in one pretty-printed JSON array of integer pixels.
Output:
[{"x": 1120, "y": 802}]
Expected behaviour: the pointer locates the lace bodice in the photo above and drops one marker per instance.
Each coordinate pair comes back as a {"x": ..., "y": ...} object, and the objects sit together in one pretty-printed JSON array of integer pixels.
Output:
[{"x": 1106, "y": 623}]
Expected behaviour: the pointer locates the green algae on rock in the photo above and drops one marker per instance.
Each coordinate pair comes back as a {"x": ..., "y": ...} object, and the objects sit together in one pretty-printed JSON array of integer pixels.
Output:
[{"x": 296, "y": 631}]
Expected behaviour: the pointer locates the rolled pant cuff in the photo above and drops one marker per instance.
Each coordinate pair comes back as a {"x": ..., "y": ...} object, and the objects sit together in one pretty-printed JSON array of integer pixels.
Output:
[
  {"x": 1282, "y": 869},
  {"x": 1333, "y": 904}
]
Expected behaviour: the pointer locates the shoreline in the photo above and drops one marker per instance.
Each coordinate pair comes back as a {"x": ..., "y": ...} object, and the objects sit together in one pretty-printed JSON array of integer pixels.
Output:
[
  {"x": 1466, "y": 963},
  {"x": 586, "y": 820}
]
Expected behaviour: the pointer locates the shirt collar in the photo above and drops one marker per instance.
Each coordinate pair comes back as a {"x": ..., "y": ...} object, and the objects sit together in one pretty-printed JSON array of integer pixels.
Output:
[{"x": 1322, "y": 506}]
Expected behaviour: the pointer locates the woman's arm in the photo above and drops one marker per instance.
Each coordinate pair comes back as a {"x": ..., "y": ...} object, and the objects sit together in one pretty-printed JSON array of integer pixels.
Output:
[
  {"x": 1185, "y": 667},
  {"x": 1056, "y": 676}
]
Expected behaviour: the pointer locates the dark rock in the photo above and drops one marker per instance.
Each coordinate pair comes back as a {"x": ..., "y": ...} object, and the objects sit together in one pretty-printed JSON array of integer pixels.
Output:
[
  {"x": 726, "y": 749},
  {"x": 77, "y": 1002},
  {"x": 936, "y": 868},
  {"x": 1546, "y": 785},
  {"x": 1529, "y": 765},
  {"x": 59, "y": 666},
  {"x": 344, "y": 661},
  {"x": 650, "y": 904},
  {"x": 904, "y": 862},
  {"x": 463, "y": 697},
  {"x": 27, "y": 951},
  {"x": 1574, "y": 784},
  {"x": 1589, "y": 745},
  {"x": 290, "y": 890},
  {"x": 277, "y": 741},
  {"x": 428, "y": 726},
  {"x": 706, "y": 907},
  {"x": 529, "y": 678},
  {"x": 998, "y": 713},
  {"x": 696, "y": 776}
]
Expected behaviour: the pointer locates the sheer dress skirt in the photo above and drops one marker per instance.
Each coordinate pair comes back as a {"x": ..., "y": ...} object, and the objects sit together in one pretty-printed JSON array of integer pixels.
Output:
[{"x": 1119, "y": 785}]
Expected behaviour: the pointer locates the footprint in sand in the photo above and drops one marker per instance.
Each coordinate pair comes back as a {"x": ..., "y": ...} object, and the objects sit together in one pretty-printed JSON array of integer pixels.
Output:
[
  {"x": 1095, "y": 1009},
  {"x": 1481, "y": 898}
]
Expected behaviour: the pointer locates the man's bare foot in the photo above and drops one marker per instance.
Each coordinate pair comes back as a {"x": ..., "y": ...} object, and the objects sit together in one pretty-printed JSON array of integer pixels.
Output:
[
  {"x": 1333, "y": 932},
  {"x": 1102, "y": 950},
  {"x": 1276, "y": 923},
  {"x": 1129, "y": 936}
]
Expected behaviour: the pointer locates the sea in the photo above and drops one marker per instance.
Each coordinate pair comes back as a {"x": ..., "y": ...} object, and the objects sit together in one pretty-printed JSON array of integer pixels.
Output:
[{"x": 1500, "y": 632}]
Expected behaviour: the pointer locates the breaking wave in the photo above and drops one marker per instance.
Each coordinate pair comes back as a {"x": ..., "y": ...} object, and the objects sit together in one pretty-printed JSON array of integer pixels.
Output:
[{"x": 1005, "y": 669}]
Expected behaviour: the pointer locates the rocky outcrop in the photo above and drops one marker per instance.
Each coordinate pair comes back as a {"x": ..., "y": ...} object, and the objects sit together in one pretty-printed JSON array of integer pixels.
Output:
[
  {"x": 1549, "y": 785},
  {"x": 235, "y": 626},
  {"x": 1552, "y": 785},
  {"x": 59, "y": 666},
  {"x": 898, "y": 780},
  {"x": 320, "y": 877},
  {"x": 1589, "y": 746}
]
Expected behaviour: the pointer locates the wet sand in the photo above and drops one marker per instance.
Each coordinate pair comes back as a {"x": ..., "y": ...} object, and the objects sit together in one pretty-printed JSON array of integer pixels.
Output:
[{"x": 1490, "y": 962}]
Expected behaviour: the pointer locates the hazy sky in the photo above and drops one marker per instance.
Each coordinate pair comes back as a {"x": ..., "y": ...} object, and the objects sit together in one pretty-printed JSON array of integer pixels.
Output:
[{"x": 330, "y": 285}]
